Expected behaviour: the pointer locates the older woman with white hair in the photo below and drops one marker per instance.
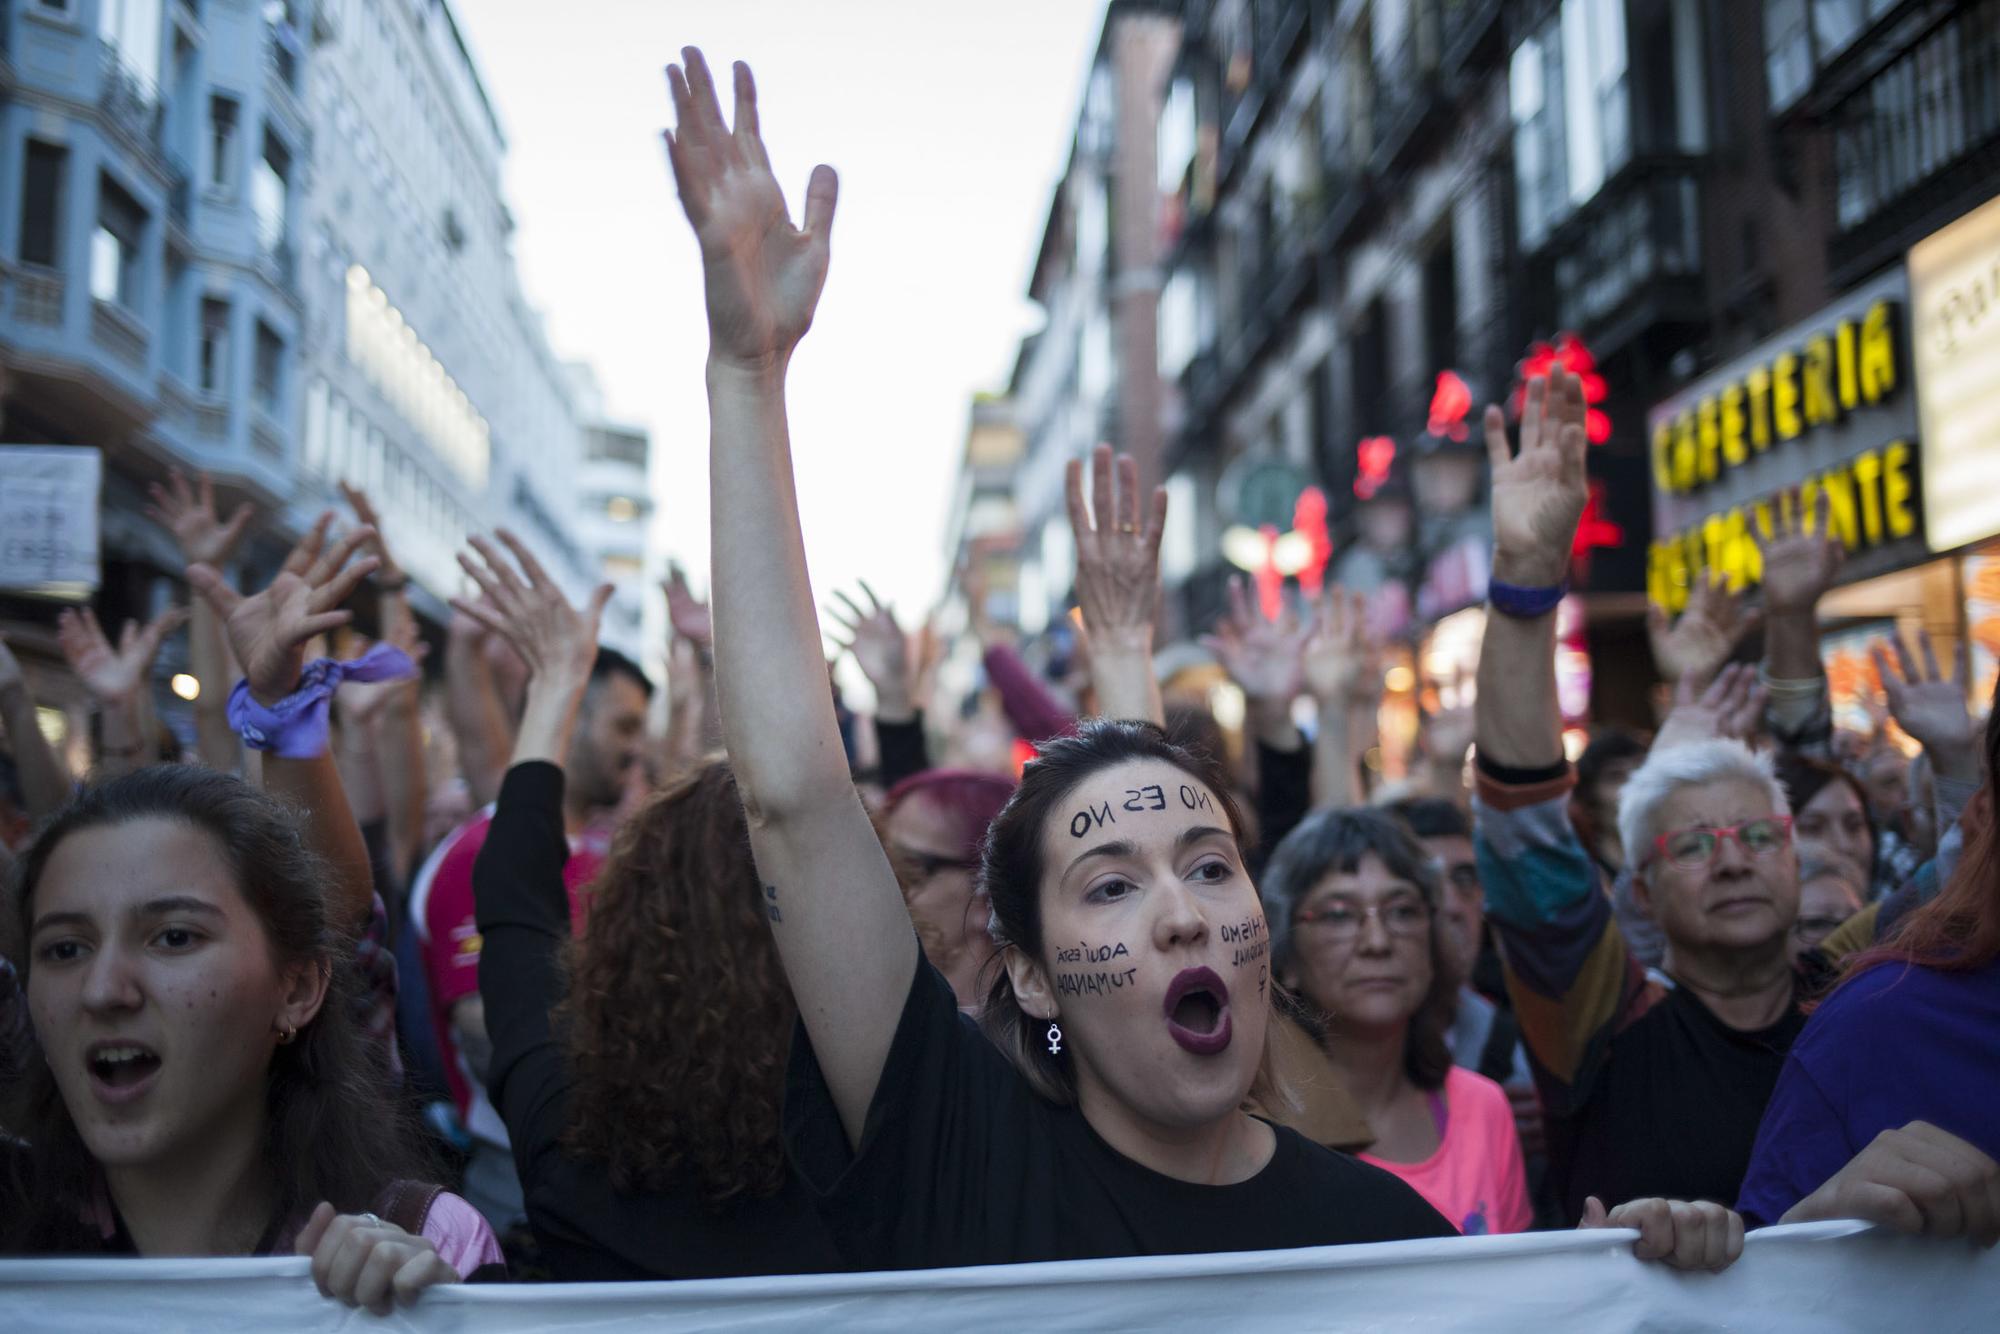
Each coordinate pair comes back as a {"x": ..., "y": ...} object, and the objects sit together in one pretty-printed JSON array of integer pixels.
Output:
[{"x": 1653, "y": 1080}]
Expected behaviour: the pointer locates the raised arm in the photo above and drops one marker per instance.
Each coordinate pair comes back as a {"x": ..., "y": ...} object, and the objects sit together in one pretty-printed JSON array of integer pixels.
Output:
[
  {"x": 473, "y": 707},
  {"x": 1699, "y": 641},
  {"x": 836, "y": 913},
  {"x": 1801, "y": 560},
  {"x": 397, "y": 729},
  {"x": 45, "y": 784},
  {"x": 268, "y": 632},
  {"x": 1343, "y": 670},
  {"x": 119, "y": 679},
  {"x": 1118, "y": 583},
  {"x": 188, "y": 512},
  {"x": 883, "y": 652},
  {"x": 1538, "y": 497}
]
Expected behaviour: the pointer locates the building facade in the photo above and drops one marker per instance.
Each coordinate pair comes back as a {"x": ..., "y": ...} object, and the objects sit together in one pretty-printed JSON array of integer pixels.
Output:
[
  {"x": 150, "y": 295},
  {"x": 1372, "y": 217},
  {"x": 427, "y": 377}
]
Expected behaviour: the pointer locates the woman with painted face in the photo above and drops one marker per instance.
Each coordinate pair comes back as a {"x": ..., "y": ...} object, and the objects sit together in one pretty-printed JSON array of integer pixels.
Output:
[
  {"x": 1355, "y": 907},
  {"x": 203, "y": 1087},
  {"x": 1107, "y": 1115},
  {"x": 1132, "y": 1010}
]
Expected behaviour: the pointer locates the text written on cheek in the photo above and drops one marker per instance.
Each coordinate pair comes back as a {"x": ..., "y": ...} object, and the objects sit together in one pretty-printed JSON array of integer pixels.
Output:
[
  {"x": 1085, "y": 952},
  {"x": 1094, "y": 984},
  {"x": 771, "y": 903},
  {"x": 1243, "y": 954}
]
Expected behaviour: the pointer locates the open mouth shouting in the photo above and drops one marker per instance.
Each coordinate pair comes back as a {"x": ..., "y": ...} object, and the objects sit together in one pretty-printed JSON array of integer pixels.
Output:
[
  {"x": 1197, "y": 1010},
  {"x": 121, "y": 1071}
]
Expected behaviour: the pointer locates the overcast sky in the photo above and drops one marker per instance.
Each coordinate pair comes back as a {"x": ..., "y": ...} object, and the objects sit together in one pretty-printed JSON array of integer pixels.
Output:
[{"x": 948, "y": 123}]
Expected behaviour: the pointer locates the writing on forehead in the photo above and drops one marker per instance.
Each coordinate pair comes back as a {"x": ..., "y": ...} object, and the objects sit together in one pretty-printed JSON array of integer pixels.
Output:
[
  {"x": 1194, "y": 800},
  {"x": 1089, "y": 818}
]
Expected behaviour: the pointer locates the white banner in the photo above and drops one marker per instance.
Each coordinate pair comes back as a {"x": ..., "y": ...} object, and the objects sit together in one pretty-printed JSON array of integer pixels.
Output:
[
  {"x": 48, "y": 519},
  {"x": 1817, "y": 1278}
]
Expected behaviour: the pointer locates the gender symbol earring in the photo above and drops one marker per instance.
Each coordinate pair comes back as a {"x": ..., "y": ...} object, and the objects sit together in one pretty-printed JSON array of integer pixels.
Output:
[{"x": 1055, "y": 1039}]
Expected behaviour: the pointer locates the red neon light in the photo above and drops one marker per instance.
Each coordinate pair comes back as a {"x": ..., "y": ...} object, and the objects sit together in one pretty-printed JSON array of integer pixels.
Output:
[
  {"x": 1373, "y": 457},
  {"x": 1594, "y": 530},
  {"x": 1451, "y": 403},
  {"x": 1572, "y": 354},
  {"x": 1309, "y": 518}
]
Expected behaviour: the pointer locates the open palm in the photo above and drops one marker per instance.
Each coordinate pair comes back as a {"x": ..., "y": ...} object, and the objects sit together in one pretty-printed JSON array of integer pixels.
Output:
[
  {"x": 269, "y": 630},
  {"x": 113, "y": 673},
  {"x": 763, "y": 275},
  {"x": 1539, "y": 494}
]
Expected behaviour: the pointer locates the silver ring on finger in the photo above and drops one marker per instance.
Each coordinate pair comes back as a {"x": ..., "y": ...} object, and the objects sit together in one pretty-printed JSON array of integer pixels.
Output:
[{"x": 370, "y": 1219}]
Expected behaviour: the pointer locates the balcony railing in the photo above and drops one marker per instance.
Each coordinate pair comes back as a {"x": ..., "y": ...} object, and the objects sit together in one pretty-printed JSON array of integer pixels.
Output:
[
  {"x": 1921, "y": 113},
  {"x": 1407, "y": 88},
  {"x": 119, "y": 332},
  {"x": 280, "y": 264},
  {"x": 1642, "y": 228},
  {"x": 128, "y": 99},
  {"x": 38, "y": 295}
]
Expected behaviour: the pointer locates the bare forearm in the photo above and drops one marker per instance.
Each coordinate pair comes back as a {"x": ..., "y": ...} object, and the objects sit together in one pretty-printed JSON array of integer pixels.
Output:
[
  {"x": 45, "y": 784},
  {"x": 1121, "y": 669},
  {"x": 478, "y": 722},
  {"x": 399, "y": 740},
  {"x": 314, "y": 787},
  {"x": 549, "y": 718},
  {"x": 215, "y": 741},
  {"x": 1333, "y": 779},
  {"x": 1791, "y": 645},
  {"x": 1517, "y": 721},
  {"x": 777, "y": 712}
]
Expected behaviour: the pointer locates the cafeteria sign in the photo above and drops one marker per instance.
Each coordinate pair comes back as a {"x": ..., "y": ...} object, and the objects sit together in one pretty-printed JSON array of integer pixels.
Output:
[
  {"x": 48, "y": 519},
  {"x": 1822, "y": 414}
]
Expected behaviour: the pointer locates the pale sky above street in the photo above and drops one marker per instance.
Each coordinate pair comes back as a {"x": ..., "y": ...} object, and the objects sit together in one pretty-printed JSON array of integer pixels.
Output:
[{"x": 949, "y": 123}]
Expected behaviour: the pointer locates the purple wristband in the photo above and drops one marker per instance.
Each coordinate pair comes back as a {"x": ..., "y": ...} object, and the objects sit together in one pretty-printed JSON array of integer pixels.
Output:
[
  {"x": 295, "y": 727},
  {"x": 1524, "y": 603}
]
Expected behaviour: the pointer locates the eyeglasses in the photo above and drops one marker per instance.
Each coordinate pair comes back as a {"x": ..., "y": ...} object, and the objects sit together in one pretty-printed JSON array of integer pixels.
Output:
[
  {"x": 1340, "y": 920},
  {"x": 1697, "y": 846}
]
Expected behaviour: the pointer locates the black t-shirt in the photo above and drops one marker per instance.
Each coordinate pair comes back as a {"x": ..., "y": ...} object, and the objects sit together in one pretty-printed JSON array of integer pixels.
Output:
[
  {"x": 962, "y": 1163},
  {"x": 1674, "y": 1110}
]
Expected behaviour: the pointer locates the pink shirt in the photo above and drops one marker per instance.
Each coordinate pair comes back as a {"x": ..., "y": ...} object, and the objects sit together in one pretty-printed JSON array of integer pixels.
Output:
[{"x": 1476, "y": 1178}]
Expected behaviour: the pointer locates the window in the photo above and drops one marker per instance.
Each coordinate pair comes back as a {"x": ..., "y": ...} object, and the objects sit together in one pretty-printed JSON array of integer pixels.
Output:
[
  {"x": 1534, "y": 86},
  {"x": 621, "y": 509},
  {"x": 132, "y": 28},
  {"x": 269, "y": 186},
  {"x": 270, "y": 369},
  {"x": 314, "y": 453},
  {"x": 41, "y": 206},
  {"x": 1440, "y": 307},
  {"x": 222, "y": 114},
  {"x": 115, "y": 270},
  {"x": 212, "y": 357},
  {"x": 1596, "y": 108},
  {"x": 1788, "y": 61},
  {"x": 1835, "y": 24}
]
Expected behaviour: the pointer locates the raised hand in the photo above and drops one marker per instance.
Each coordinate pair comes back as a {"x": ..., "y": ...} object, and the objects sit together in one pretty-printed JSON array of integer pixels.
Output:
[
  {"x": 1698, "y": 1235},
  {"x": 762, "y": 275},
  {"x": 687, "y": 613},
  {"x": 113, "y": 675},
  {"x": 1929, "y": 705},
  {"x": 1701, "y": 639},
  {"x": 1730, "y": 707},
  {"x": 879, "y": 646},
  {"x": 1538, "y": 494},
  {"x": 1261, "y": 655},
  {"x": 1117, "y": 557},
  {"x": 362, "y": 702},
  {"x": 268, "y": 631},
  {"x": 529, "y": 611},
  {"x": 1801, "y": 558},
  {"x": 388, "y": 573},
  {"x": 1343, "y": 655},
  {"x": 189, "y": 514}
]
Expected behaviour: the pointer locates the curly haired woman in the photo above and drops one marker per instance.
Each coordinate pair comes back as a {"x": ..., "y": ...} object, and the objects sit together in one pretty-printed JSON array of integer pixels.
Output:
[{"x": 644, "y": 1118}]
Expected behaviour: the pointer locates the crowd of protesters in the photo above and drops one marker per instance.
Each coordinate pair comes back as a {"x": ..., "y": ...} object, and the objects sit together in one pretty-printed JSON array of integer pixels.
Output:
[{"x": 493, "y": 978}]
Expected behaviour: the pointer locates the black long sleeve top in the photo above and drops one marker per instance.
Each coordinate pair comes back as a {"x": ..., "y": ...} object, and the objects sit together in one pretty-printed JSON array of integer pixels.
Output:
[{"x": 590, "y": 1231}]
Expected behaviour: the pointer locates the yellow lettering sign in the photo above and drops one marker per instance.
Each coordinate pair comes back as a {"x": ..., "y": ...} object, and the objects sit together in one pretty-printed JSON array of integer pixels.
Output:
[
  {"x": 1708, "y": 438},
  {"x": 1850, "y": 381},
  {"x": 1734, "y": 453},
  {"x": 1816, "y": 381},
  {"x": 1878, "y": 352},
  {"x": 1759, "y": 384},
  {"x": 1867, "y": 473},
  {"x": 1896, "y": 489},
  {"x": 1663, "y": 453},
  {"x": 1785, "y": 397}
]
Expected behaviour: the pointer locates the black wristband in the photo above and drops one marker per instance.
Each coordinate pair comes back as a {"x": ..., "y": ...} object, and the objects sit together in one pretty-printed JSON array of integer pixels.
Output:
[{"x": 1509, "y": 776}]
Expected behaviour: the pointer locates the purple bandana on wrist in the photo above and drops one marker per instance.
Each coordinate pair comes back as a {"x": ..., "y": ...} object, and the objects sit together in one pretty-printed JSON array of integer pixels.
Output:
[{"x": 295, "y": 727}]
